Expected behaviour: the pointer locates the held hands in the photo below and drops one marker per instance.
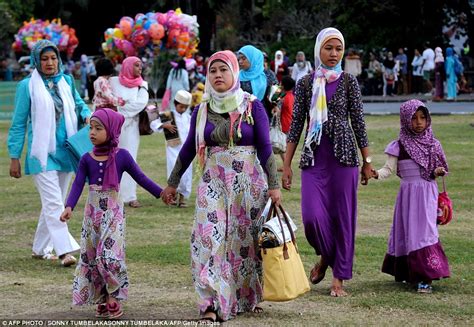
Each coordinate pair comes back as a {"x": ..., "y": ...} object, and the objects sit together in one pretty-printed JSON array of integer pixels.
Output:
[
  {"x": 66, "y": 215},
  {"x": 440, "y": 171},
  {"x": 366, "y": 173},
  {"x": 168, "y": 195},
  {"x": 15, "y": 168}
]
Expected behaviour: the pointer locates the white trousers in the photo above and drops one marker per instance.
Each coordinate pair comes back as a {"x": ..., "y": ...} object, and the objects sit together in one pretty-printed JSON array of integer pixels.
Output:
[
  {"x": 129, "y": 140},
  {"x": 51, "y": 233}
]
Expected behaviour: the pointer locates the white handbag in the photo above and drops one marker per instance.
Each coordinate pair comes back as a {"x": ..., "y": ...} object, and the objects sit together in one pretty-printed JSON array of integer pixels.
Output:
[{"x": 277, "y": 137}]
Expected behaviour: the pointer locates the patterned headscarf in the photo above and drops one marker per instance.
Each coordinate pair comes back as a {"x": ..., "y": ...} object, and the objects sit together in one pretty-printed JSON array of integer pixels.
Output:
[
  {"x": 255, "y": 73},
  {"x": 35, "y": 58},
  {"x": 234, "y": 101},
  {"x": 422, "y": 147},
  {"x": 322, "y": 75},
  {"x": 126, "y": 76},
  {"x": 112, "y": 122}
]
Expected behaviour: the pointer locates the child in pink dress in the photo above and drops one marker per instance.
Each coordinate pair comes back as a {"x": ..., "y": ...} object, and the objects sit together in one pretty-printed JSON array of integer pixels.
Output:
[
  {"x": 101, "y": 274},
  {"x": 415, "y": 253},
  {"x": 103, "y": 95}
]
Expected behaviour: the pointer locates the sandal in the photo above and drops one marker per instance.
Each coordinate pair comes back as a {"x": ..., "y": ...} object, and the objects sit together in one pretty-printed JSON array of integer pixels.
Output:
[
  {"x": 134, "y": 204},
  {"x": 68, "y": 260},
  {"x": 102, "y": 311},
  {"x": 47, "y": 256},
  {"x": 257, "y": 309},
  {"x": 115, "y": 310},
  {"x": 315, "y": 275}
]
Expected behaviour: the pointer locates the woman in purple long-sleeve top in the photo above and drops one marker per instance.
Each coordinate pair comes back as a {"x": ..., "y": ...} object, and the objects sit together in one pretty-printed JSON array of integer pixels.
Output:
[
  {"x": 232, "y": 127},
  {"x": 101, "y": 274},
  {"x": 326, "y": 99}
]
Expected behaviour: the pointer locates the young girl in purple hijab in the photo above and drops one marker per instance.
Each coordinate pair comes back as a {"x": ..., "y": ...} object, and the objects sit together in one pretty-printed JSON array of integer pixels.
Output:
[
  {"x": 415, "y": 253},
  {"x": 101, "y": 274}
]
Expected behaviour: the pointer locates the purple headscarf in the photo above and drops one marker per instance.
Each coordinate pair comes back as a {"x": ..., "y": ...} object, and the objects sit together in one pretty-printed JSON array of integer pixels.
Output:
[
  {"x": 422, "y": 147},
  {"x": 112, "y": 122}
]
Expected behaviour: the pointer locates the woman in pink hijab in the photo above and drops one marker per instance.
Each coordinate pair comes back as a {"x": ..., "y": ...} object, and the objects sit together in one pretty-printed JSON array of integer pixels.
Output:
[{"x": 131, "y": 87}]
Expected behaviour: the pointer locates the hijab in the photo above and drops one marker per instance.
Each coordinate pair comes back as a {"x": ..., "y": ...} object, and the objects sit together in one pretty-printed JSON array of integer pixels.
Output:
[
  {"x": 322, "y": 75},
  {"x": 126, "y": 76},
  {"x": 301, "y": 64},
  {"x": 50, "y": 97},
  {"x": 278, "y": 62},
  {"x": 112, "y": 122},
  {"x": 234, "y": 102},
  {"x": 439, "y": 55},
  {"x": 255, "y": 73},
  {"x": 422, "y": 147}
]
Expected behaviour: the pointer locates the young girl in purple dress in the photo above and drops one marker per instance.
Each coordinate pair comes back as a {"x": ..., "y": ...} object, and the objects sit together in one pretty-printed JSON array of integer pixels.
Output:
[
  {"x": 101, "y": 274},
  {"x": 415, "y": 253}
]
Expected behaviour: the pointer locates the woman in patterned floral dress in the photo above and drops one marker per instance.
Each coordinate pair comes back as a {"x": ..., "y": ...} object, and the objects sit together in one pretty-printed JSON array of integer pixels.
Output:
[
  {"x": 326, "y": 99},
  {"x": 229, "y": 134}
]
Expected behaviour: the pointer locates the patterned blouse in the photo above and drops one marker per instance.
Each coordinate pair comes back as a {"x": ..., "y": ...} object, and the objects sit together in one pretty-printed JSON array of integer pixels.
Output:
[{"x": 337, "y": 127}]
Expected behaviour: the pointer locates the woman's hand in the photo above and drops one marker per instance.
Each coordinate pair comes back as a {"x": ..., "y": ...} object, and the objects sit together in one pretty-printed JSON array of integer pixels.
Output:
[
  {"x": 87, "y": 120},
  {"x": 440, "y": 171},
  {"x": 15, "y": 168},
  {"x": 168, "y": 195},
  {"x": 286, "y": 178},
  {"x": 366, "y": 173},
  {"x": 66, "y": 215},
  {"x": 275, "y": 195}
]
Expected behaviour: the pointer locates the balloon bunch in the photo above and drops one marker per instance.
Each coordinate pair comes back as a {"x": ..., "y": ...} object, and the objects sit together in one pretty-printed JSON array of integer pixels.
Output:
[
  {"x": 152, "y": 33},
  {"x": 31, "y": 32}
]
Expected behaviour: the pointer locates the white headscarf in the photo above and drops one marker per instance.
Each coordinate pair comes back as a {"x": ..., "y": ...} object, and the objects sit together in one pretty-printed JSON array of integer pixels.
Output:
[
  {"x": 277, "y": 61},
  {"x": 439, "y": 55}
]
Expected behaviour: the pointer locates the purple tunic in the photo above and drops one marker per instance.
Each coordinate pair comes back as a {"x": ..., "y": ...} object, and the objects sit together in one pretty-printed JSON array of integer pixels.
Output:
[
  {"x": 94, "y": 171},
  {"x": 329, "y": 204},
  {"x": 414, "y": 251}
]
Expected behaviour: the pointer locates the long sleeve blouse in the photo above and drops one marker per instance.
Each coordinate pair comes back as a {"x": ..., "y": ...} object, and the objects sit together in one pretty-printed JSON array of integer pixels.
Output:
[
  {"x": 94, "y": 170},
  {"x": 341, "y": 106},
  {"x": 22, "y": 125},
  {"x": 216, "y": 134}
]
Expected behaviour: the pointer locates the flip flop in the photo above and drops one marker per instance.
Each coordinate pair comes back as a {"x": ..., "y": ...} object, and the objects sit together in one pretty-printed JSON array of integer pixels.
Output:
[{"x": 315, "y": 275}]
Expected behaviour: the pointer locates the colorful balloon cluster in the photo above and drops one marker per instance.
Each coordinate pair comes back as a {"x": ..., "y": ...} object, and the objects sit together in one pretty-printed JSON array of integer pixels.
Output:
[
  {"x": 153, "y": 32},
  {"x": 36, "y": 29}
]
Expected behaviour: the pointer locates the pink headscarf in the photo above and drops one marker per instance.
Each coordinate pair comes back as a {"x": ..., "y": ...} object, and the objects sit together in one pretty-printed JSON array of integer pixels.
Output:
[
  {"x": 234, "y": 102},
  {"x": 112, "y": 122},
  {"x": 126, "y": 76}
]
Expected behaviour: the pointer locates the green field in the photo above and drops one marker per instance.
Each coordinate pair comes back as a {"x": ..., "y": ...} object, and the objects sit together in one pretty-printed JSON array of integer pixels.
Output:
[{"x": 158, "y": 250}]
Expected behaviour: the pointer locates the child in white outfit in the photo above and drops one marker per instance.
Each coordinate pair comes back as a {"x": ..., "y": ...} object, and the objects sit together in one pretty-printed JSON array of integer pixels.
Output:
[{"x": 175, "y": 125}]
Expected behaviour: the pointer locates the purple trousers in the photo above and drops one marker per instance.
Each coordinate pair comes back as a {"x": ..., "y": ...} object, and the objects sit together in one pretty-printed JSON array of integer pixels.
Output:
[{"x": 329, "y": 208}]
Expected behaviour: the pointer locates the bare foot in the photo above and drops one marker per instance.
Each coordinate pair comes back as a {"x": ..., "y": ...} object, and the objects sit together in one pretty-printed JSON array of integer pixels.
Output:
[{"x": 337, "y": 289}]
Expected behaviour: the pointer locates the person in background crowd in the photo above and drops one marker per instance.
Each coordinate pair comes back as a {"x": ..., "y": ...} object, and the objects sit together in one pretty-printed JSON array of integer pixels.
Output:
[
  {"x": 131, "y": 87},
  {"x": 440, "y": 75},
  {"x": 178, "y": 79},
  {"x": 402, "y": 85},
  {"x": 301, "y": 67},
  {"x": 278, "y": 66},
  {"x": 389, "y": 76},
  {"x": 352, "y": 64},
  {"x": 451, "y": 76},
  {"x": 374, "y": 75},
  {"x": 428, "y": 68},
  {"x": 417, "y": 64}
]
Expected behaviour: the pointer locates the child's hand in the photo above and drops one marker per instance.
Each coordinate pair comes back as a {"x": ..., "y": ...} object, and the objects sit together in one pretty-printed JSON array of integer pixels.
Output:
[
  {"x": 66, "y": 215},
  {"x": 440, "y": 171},
  {"x": 375, "y": 174},
  {"x": 121, "y": 102},
  {"x": 168, "y": 195},
  {"x": 170, "y": 127}
]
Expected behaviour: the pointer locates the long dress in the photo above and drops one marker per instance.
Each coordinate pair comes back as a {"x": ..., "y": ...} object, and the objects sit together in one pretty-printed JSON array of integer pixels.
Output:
[
  {"x": 176, "y": 83},
  {"x": 101, "y": 270},
  {"x": 415, "y": 253},
  {"x": 226, "y": 270}
]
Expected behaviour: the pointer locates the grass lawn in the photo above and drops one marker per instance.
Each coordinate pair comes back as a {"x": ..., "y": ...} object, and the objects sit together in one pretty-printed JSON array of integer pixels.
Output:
[{"x": 158, "y": 250}]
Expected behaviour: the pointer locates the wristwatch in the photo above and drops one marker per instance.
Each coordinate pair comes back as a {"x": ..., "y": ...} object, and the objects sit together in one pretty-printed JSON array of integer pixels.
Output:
[{"x": 368, "y": 159}]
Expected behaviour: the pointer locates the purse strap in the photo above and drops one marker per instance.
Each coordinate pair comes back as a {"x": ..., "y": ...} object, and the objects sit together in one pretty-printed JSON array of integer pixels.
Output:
[
  {"x": 287, "y": 222},
  {"x": 444, "y": 184}
]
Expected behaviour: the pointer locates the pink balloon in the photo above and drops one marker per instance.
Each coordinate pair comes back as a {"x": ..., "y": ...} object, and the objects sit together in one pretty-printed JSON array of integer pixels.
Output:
[
  {"x": 140, "y": 38},
  {"x": 156, "y": 31},
  {"x": 125, "y": 25},
  {"x": 125, "y": 46}
]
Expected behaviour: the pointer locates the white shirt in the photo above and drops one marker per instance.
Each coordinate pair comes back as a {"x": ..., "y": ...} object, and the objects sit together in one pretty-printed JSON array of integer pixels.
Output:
[{"x": 428, "y": 57}]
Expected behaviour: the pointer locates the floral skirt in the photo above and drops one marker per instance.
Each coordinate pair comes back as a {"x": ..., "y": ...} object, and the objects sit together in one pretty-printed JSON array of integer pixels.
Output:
[
  {"x": 227, "y": 271},
  {"x": 101, "y": 270}
]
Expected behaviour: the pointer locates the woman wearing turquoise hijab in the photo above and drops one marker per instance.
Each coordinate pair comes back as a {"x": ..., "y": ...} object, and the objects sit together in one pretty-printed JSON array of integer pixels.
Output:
[
  {"x": 48, "y": 109},
  {"x": 252, "y": 76}
]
